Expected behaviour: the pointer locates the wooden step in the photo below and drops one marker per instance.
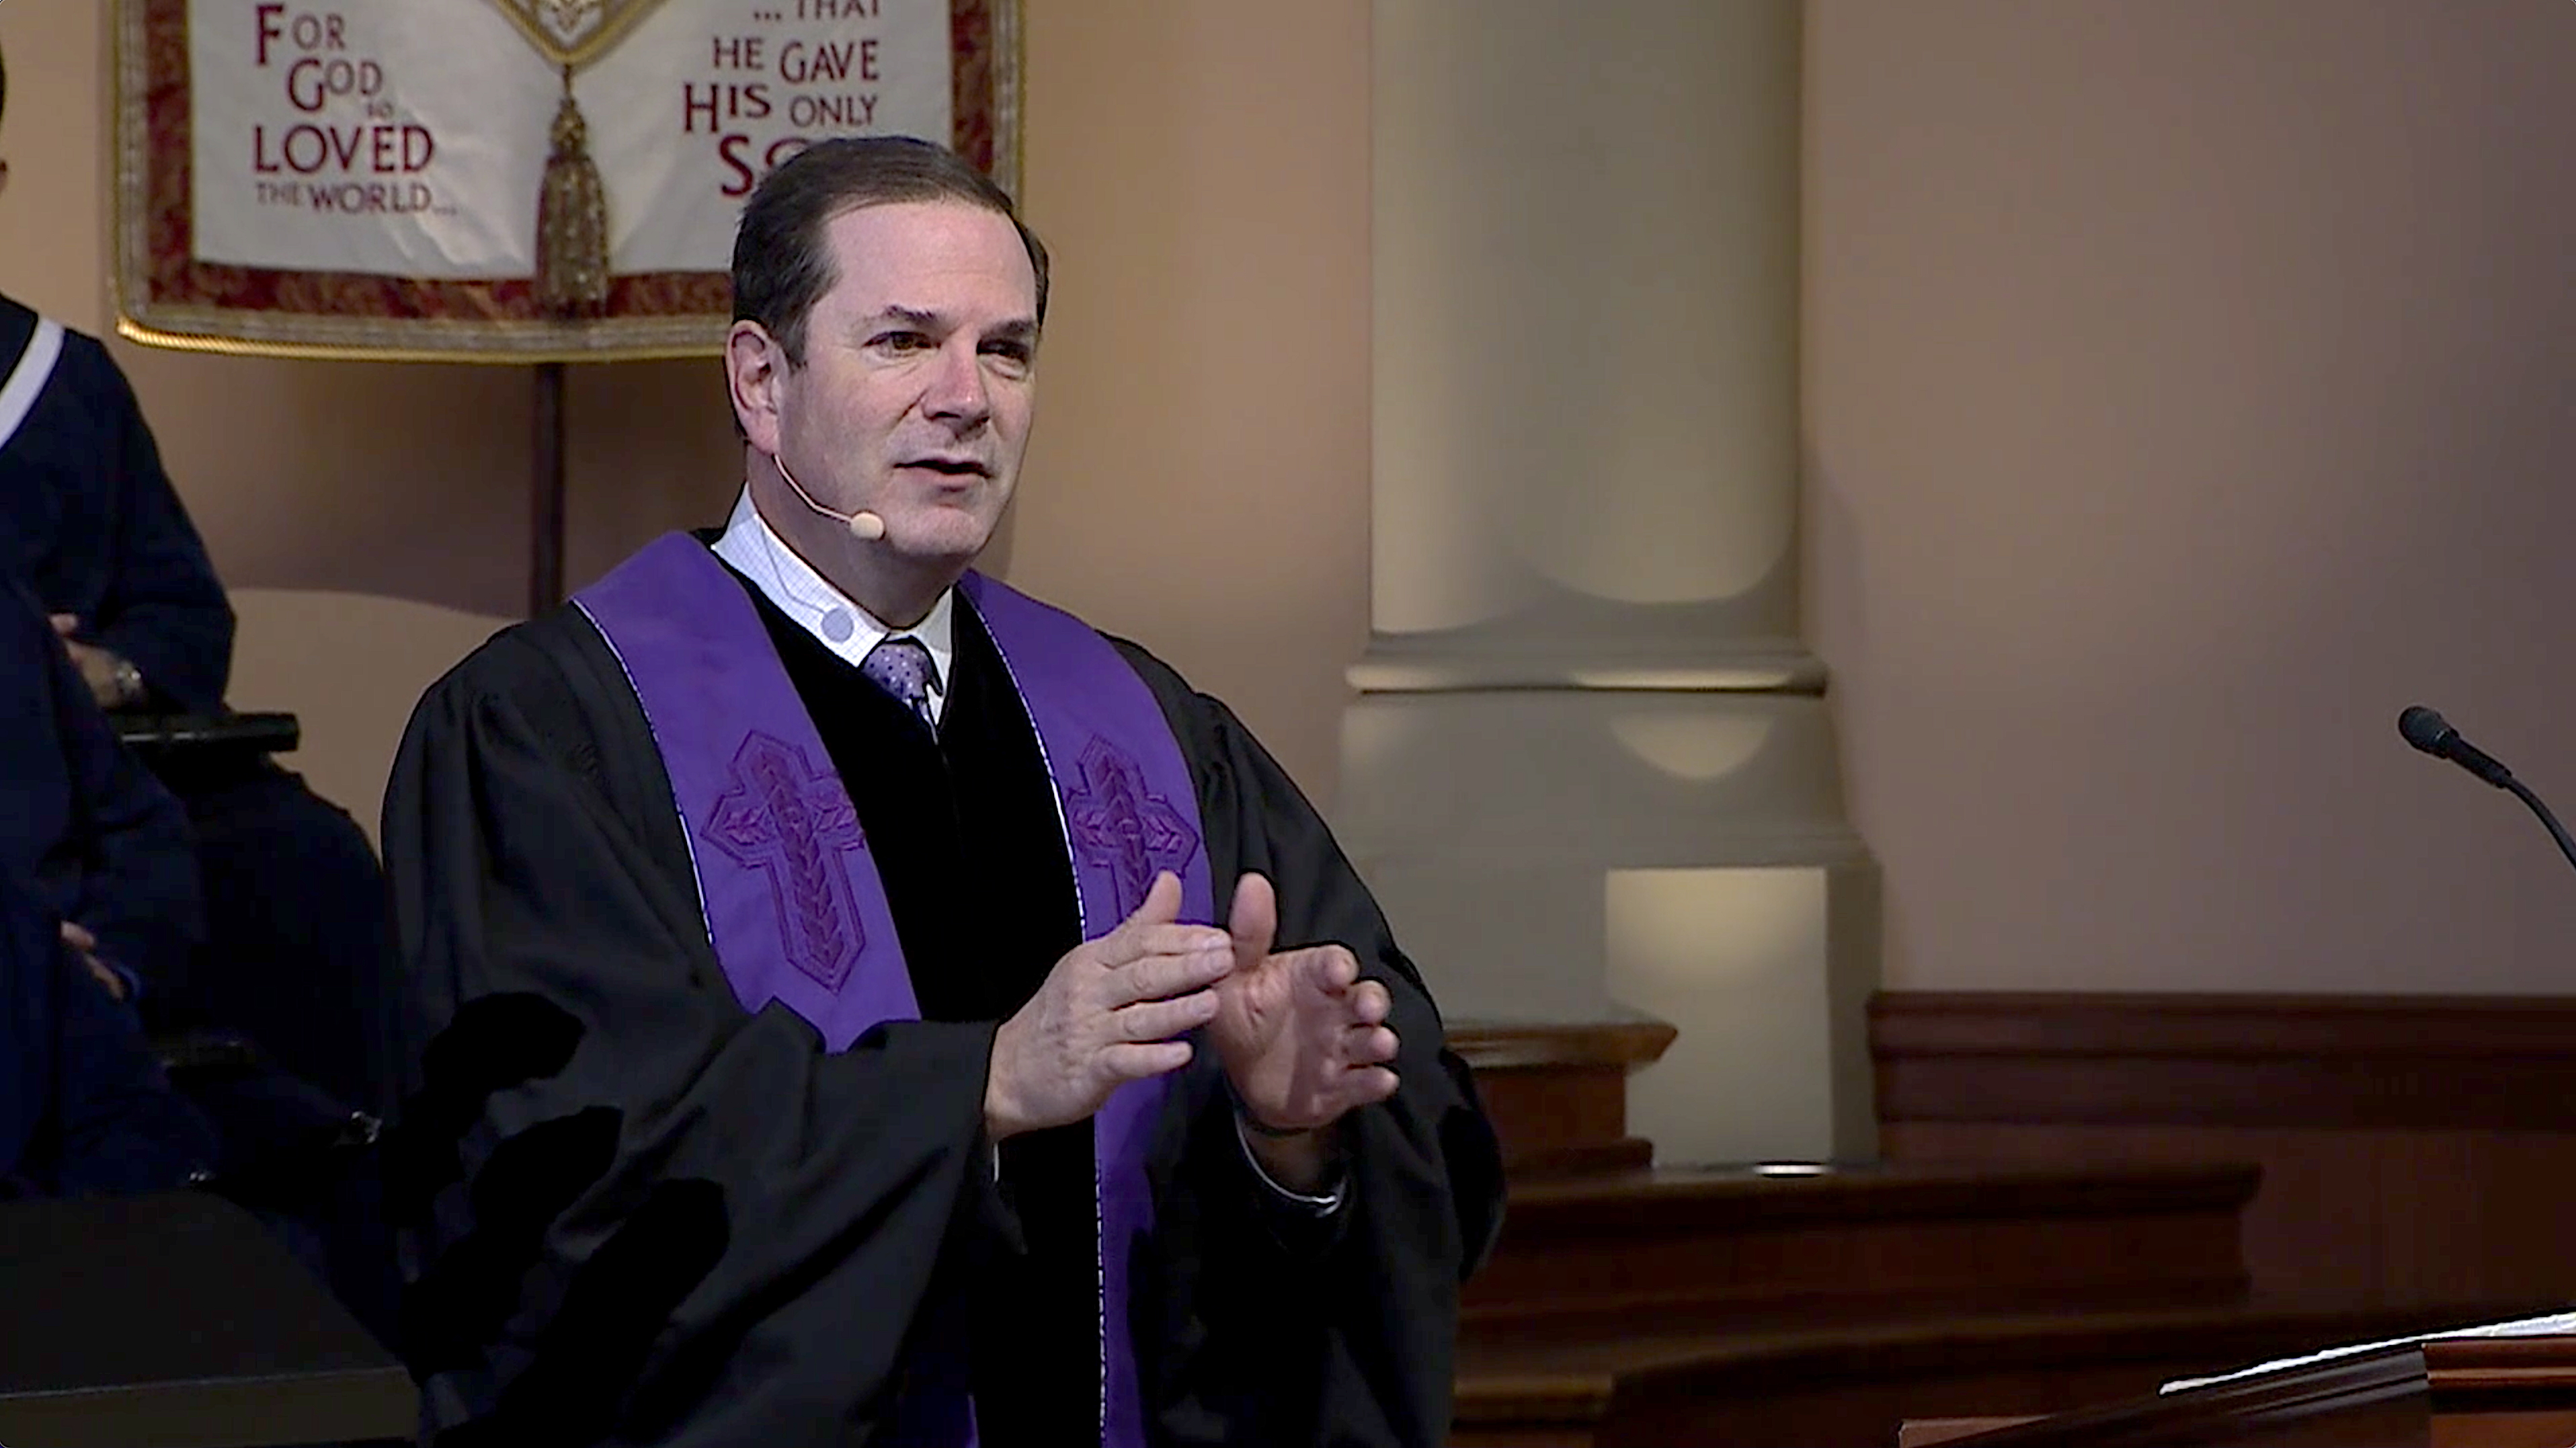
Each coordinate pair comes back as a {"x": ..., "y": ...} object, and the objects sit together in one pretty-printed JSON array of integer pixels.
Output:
[
  {"x": 1851, "y": 1385},
  {"x": 1677, "y": 1249},
  {"x": 1627, "y": 1306}
]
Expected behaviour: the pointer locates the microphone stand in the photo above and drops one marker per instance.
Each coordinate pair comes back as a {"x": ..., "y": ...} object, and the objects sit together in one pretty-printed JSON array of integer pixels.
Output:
[{"x": 2557, "y": 832}]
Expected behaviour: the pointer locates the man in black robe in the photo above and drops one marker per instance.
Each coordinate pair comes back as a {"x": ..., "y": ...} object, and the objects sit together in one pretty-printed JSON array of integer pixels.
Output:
[
  {"x": 656, "y": 1195},
  {"x": 298, "y": 949}
]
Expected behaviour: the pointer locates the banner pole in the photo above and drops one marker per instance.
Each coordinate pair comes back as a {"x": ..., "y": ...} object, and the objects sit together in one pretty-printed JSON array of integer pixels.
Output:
[{"x": 546, "y": 492}]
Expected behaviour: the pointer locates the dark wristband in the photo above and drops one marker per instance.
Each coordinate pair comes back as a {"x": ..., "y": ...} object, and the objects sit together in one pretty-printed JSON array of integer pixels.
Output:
[{"x": 1259, "y": 1127}]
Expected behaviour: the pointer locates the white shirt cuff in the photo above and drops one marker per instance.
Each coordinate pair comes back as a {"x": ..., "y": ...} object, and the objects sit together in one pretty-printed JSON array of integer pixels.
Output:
[{"x": 1321, "y": 1206}]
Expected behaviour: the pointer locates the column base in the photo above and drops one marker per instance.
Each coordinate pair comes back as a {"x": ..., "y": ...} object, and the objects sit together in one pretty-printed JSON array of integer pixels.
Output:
[{"x": 1584, "y": 855}]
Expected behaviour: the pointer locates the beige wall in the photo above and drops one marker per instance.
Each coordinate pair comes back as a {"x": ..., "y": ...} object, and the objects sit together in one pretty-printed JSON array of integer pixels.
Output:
[
  {"x": 2189, "y": 387},
  {"x": 1199, "y": 479},
  {"x": 2187, "y": 390}
]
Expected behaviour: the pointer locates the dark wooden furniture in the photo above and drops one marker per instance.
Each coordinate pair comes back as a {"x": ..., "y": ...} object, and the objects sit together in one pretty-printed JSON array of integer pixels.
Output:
[
  {"x": 1685, "y": 1249},
  {"x": 2352, "y": 1105},
  {"x": 2460, "y": 1393},
  {"x": 177, "y": 1321},
  {"x": 1558, "y": 1095},
  {"x": 1665, "y": 1307},
  {"x": 1721, "y": 1308}
]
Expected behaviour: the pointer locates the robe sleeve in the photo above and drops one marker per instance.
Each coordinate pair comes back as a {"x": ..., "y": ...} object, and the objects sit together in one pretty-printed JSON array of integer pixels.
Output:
[
  {"x": 29, "y": 947},
  {"x": 138, "y": 890},
  {"x": 163, "y": 607},
  {"x": 83, "y": 1106},
  {"x": 119, "y": 1127},
  {"x": 631, "y": 1206},
  {"x": 1278, "y": 1337}
]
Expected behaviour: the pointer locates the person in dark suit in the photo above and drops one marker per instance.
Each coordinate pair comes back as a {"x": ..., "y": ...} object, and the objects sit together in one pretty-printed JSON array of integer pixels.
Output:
[
  {"x": 98, "y": 905},
  {"x": 297, "y": 947}
]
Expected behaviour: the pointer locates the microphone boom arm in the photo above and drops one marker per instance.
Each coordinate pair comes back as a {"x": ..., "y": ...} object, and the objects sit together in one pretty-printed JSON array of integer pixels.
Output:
[{"x": 2557, "y": 832}]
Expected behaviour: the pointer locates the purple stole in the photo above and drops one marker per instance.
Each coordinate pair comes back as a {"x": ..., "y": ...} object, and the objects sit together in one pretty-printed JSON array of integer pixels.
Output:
[{"x": 793, "y": 903}]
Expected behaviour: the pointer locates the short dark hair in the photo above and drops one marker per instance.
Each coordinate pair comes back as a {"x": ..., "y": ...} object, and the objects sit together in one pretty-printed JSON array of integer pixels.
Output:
[{"x": 781, "y": 266}]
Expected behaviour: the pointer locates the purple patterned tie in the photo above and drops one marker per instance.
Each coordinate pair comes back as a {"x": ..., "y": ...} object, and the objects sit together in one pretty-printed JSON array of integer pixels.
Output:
[{"x": 902, "y": 667}]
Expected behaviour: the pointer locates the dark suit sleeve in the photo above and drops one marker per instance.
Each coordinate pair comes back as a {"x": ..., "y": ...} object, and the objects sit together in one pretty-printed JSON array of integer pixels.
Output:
[
  {"x": 83, "y": 1106},
  {"x": 138, "y": 876},
  {"x": 618, "y": 1186},
  {"x": 163, "y": 607},
  {"x": 119, "y": 1128},
  {"x": 1284, "y": 1340}
]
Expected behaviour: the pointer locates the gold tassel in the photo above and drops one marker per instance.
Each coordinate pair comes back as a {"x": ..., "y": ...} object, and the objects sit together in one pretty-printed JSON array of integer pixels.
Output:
[{"x": 572, "y": 220}]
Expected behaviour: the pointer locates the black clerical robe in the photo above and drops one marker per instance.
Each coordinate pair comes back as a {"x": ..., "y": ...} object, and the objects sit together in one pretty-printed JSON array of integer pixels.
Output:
[{"x": 644, "y": 1214}]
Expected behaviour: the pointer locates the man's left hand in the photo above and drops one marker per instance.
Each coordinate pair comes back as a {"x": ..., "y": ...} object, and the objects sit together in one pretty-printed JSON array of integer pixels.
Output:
[
  {"x": 98, "y": 667},
  {"x": 1302, "y": 1037},
  {"x": 85, "y": 946}
]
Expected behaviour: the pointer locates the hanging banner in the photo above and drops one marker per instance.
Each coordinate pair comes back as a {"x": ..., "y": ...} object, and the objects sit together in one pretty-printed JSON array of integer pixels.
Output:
[{"x": 501, "y": 180}]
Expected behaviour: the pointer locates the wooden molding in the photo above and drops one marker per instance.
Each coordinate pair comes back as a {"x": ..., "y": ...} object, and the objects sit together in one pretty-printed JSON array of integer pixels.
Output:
[
  {"x": 1856, "y": 1383},
  {"x": 1923, "y": 1433},
  {"x": 1600, "y": 1258},
  {"x": 1500, "y": 1045},
  {"x": 2500, "y": 1365},
  {"x": 2349, "y": 1062},
  {"x": 2390, "y": 1395},
  {"x": 2232, "y": 1412},
  {"x": 1713, "y": 1199},
  {"x": 1558, "y": 1094}
]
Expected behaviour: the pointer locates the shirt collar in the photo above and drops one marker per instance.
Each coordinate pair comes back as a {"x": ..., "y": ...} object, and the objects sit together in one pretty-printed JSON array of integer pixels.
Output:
[{"x": 806, "y": 596}]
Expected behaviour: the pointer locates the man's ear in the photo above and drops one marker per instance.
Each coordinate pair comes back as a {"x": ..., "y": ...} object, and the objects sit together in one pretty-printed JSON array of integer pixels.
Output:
[{"x": 755, "y": 367}]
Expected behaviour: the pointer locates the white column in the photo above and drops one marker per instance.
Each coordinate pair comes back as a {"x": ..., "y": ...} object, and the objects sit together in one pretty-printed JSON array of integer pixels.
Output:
[{"x": 1590, "y": 768}]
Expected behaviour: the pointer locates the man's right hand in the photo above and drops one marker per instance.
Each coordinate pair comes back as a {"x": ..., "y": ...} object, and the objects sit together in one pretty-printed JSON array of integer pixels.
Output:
[{"x": 1106, "y": 1016}]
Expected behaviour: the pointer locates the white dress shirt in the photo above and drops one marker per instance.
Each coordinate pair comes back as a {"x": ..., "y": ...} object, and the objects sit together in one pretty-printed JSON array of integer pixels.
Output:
[{"x": 835, "y": 620}]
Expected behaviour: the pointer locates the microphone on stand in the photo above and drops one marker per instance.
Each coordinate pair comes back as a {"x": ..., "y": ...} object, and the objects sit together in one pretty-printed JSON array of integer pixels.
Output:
[
  {"x": 865, "y": 526},
  {"x": 2433, "y": 734}
]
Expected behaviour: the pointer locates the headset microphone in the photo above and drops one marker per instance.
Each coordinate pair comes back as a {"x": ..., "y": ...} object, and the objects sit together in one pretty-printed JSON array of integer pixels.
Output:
[{"x": 865, "y": 526}]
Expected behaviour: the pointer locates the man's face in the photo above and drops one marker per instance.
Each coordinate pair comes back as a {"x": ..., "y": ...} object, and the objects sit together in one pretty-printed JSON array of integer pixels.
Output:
[{"x": 919, "y": 375}]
